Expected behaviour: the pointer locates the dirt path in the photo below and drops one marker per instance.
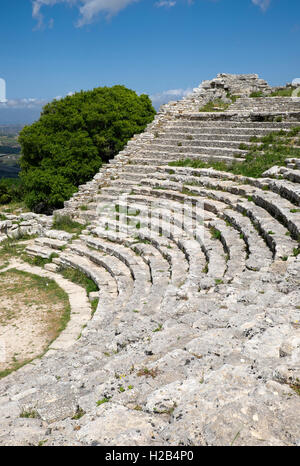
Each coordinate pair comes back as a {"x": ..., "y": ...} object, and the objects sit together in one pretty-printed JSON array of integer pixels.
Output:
[{"x": 35, "y": 305}]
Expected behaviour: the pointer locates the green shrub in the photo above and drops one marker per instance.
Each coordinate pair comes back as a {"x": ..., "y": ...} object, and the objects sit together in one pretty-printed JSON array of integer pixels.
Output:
[
  {"x": 73, "y": 137},
  {"x": 216, "y": 105},
  {"x": 11, "y": 190},
  {"x": 283, "y": 92},
  {"x": 78, "y": 277},
  {"x": 256, "y": 94},
  {"x": 65, "y": 223}
]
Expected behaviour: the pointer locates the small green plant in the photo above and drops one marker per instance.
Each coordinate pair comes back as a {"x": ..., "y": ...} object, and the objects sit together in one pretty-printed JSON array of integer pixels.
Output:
[
  {"x": 78, "y": 277},
  {"x": 283, "y": 92},
  {"x": 79, "y": 413},
  {"x": 94, "y": 305},
  {"x": 158, "y": 329},
  {"x": 216, "y": 234},
  {"x": 41, "y": 443},
  {"x": 30, "y": 414},
  {"x": 217, "y": 105},
  {"x": 218, "y": 281},
  {"x": 233, "y": 98},
  {"x": 205, "y": 268},
  {"x": 256, "y": 94},
  {"x": 66, "y": 223},
  {"x": 104, "y": 400},
  {"x": 296, "y": 388},
  {"x": 145, "y": 372}
]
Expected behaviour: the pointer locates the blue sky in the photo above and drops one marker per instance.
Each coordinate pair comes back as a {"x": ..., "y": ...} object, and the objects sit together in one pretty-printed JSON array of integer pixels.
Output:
[{"x": 49, "y": 48}]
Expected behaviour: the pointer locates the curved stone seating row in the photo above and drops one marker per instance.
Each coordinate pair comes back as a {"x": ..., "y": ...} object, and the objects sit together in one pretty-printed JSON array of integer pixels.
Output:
[
  {"x": 212, "y": 250},
  {"x": 284, "y": 188},
  {"x": 169, "y": 227},
  {"x": 279, "y": 208},
  {"x": 176, "y": 259},
  {"x": 106, "y": 283},
  {"x": 273, "y": 232}
]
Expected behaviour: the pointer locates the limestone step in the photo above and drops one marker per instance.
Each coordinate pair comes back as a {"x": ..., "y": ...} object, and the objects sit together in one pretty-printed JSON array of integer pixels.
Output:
[
  {"x": 167, "y": 248},
  {"x": 267, "y": 103},
  {"x": 281, "y": 209},
  {"x": 193, "y": 139},
  {"x": 117, "y": 270},
  {"x": 286, "y": 189},
  {"x": 50, "y": 243},
  {"x": 105, "y": 282},
  {"x": 292, "y": 175},
  {"x": 231, "y": 123},
  {"x": 139, "y": 270},
  {"x": 179, "y": 238},
  {"x": 213, "y": 251},
  {"x": 171, "y": 152},
  {"x": 273, "y": 232},
  {"x": 222, "y": 130},
  {"x": 201, "y": 141},
  {"x": 168, "y": 158},
  {"x": 58, "y": 235},
  {"x": 39, "y": 251},
  {"x": 260, "y": 254}
]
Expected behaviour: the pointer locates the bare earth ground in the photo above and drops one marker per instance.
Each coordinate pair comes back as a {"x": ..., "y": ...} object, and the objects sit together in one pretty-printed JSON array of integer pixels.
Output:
[{"x": 31, "y": 312}]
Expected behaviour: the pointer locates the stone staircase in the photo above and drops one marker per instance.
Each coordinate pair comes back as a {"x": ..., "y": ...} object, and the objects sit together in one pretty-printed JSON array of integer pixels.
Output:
[
  {"x": 267, "y": 104},
  {"x": 196, "y": 337}
]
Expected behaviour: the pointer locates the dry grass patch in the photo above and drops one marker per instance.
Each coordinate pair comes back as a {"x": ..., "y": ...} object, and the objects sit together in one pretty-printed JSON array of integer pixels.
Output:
[
  {"x": 33, "y": 312},
  {"x": 9, "y": 249}
]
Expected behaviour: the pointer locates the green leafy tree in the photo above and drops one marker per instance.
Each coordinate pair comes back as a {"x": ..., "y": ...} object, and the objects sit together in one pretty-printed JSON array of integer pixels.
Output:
[
  {"x": 11, "y": 190},
  {"x": 73, "y": 137}
]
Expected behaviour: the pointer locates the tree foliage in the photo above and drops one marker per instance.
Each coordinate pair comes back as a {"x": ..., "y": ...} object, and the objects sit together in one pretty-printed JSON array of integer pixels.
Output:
[
  {"x": 11, "y": 190},
  {"x": 73, "y": 137}
]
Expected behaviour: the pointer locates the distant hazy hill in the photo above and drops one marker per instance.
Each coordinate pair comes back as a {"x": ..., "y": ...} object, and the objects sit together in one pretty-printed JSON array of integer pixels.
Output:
[{"x": 9, "y": 151}]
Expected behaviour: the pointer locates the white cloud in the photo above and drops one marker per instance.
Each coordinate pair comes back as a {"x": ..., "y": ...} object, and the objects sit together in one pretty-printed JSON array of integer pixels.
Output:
[
  {"x": 23, "y": 103},
  {"x": 165, "y": 3},
  {"x": 88, "y": 9},
  {"x": 2, "y": 90},
  {"x": 263, "y": 4},
  {"x": 172, "y": 94}
]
